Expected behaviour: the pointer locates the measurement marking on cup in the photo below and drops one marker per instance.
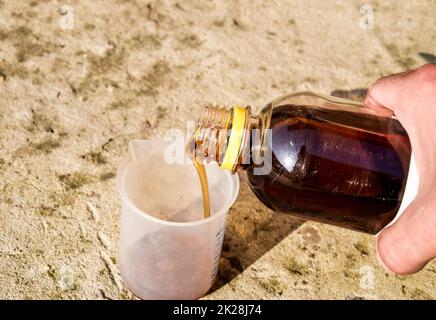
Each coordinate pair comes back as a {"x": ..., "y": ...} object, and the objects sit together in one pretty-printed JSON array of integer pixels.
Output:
[{"x": 217, "y": 254}]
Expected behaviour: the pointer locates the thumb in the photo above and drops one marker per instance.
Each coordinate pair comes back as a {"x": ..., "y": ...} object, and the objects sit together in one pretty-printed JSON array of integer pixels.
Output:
[
  {"x": 406, "y": 246},
  {"x": 389, "y": 92}
]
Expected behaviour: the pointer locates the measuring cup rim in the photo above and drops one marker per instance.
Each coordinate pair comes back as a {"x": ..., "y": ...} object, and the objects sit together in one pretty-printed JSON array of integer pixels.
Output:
[{"x": 121, "y": 172}]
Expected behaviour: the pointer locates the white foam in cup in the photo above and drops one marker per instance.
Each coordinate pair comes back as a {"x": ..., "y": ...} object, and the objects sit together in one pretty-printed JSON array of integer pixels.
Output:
[{"x": 168, "y": 250}]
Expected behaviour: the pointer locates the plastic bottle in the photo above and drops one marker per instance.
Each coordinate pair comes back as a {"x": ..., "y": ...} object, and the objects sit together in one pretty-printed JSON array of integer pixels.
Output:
[{"x": 312, "y": 156}]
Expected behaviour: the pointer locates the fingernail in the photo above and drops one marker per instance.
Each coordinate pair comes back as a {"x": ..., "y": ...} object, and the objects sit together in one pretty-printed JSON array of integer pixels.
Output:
[{"x": 371, "y": 102}]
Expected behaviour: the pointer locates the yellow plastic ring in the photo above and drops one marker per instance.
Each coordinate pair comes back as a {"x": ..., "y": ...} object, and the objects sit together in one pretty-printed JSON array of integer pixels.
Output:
[{"x": 235, "y": 140}]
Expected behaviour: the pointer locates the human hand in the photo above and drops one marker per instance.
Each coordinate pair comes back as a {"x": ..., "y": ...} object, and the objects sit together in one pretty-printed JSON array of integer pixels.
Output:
[{"x": 410, "y": 243}]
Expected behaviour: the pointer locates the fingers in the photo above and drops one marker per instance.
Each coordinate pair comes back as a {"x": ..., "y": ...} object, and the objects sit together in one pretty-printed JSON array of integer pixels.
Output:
[
  {"x": 388, "y": 91},
  {"x": 404, "y": 91},
  {"x": 406, "y": 246}
]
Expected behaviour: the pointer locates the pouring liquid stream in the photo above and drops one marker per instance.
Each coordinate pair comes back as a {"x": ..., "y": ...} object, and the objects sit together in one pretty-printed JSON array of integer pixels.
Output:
[{"x": 204, "y": 186}]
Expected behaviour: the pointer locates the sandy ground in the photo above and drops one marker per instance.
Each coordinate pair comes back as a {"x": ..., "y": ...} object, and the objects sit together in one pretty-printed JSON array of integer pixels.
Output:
[{"x": 70, "y": 100}]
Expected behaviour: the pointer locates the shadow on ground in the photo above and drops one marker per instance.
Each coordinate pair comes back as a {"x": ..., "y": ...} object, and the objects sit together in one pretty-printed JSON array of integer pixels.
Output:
[{"x": 252, "y": 230}]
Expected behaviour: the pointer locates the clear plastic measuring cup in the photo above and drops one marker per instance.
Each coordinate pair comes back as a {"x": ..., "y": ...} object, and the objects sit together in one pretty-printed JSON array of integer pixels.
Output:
[{"x": 168, "y": 250}]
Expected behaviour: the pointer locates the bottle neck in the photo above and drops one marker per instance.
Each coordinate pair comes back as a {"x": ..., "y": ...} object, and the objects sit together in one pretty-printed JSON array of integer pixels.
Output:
[{"x": 223, "y": 136}]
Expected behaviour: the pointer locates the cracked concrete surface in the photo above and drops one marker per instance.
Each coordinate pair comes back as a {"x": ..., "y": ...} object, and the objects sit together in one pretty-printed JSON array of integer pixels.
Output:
[{"x": 70, "y": 100}]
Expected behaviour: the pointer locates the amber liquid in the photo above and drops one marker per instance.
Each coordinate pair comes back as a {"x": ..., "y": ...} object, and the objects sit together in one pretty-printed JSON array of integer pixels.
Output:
[
  {"x": 336, "y": 167},
  {"x": 201, "y": 171}
]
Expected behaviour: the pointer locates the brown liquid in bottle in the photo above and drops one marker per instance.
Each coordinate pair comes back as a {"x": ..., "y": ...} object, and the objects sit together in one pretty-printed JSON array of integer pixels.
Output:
[
  {"x": 342, "y": 166},
  {"x": 204, "y": 186},
  {"x": 336, "y": 167}
]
